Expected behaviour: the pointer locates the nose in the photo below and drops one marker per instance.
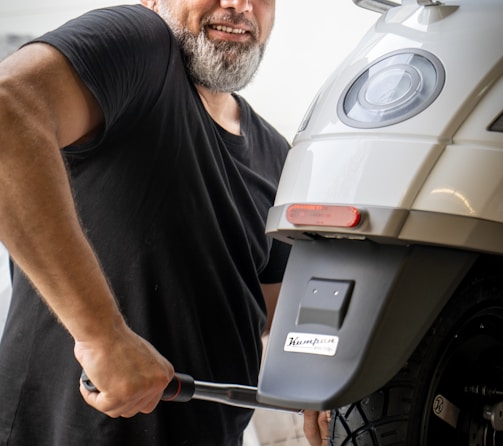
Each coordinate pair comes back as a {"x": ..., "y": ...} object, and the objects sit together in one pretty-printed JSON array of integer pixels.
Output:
[{"x": 238, "y": 5}]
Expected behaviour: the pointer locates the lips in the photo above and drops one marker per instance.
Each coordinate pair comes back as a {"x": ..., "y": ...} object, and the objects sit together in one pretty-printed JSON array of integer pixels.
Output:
[
  {"x": 228, "y": 29},
  {"x": 232, "y": 25}
]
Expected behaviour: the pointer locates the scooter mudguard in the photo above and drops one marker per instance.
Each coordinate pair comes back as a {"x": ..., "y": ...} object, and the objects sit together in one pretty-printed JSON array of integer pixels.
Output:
[{"x": 349, "y": 315}]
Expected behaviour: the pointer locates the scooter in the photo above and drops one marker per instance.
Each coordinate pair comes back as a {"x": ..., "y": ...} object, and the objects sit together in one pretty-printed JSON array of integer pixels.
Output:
[{"x": 391, "y": 308}]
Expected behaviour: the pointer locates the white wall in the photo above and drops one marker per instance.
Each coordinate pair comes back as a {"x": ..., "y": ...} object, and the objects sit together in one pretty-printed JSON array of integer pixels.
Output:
[
  {"x": 5, "y": 288},
  {"x": 310, "y": 39}
]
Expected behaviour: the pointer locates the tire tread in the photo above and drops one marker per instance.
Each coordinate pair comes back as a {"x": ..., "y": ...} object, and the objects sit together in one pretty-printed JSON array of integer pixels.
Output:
[{"x": 377, "y": 420}]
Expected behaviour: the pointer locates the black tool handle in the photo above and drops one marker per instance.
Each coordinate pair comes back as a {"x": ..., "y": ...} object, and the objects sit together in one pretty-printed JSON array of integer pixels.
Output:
[{"x": 181, "y": 388}]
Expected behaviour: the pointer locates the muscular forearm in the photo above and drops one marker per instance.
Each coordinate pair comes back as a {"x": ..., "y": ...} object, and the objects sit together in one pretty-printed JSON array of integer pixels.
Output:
[
  {"x": 39, "y": 225},
  {"x": 44, "y": 106},
  {"x": 38, "y": 113}
]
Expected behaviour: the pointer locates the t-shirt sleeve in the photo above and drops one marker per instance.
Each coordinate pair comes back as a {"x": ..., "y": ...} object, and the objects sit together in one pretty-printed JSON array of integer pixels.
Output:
[{"x": 121, "y": 54}]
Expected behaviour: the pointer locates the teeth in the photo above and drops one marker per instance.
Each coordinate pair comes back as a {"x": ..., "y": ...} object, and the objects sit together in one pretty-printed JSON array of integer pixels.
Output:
[{"x": 227, "y": 29}]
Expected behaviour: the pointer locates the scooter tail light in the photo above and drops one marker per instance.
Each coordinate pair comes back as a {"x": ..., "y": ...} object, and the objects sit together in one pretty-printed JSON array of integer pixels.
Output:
[{"x": 323, "y": 215}]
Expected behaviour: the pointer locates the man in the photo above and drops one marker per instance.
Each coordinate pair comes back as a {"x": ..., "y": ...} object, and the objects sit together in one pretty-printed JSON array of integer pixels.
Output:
[{"x": 141, "y": 250}]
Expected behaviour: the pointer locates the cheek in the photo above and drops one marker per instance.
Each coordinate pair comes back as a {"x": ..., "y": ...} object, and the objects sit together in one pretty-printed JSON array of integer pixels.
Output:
[
  {"x": 183, "y": 13},
  {"x": 194, "y": 11},
  {"x": 193, "y": 22},
  {"x": 265, "y": 13},
  {"x": 266, "y": 27}
]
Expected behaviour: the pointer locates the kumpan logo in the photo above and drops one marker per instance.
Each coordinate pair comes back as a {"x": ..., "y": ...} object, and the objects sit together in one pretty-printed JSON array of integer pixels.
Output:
[{"x": 311, "y": 343}]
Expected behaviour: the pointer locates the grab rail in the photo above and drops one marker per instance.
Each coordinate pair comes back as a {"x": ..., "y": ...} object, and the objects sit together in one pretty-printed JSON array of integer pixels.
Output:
[{"x": 382, "y": 6}]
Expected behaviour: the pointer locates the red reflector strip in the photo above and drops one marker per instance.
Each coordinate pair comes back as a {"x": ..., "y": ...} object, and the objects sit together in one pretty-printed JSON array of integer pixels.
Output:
[{"x": 323, "y": 215}]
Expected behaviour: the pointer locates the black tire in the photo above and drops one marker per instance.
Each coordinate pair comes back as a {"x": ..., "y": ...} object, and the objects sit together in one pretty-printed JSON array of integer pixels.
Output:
[{"x": 463, "y": 349}]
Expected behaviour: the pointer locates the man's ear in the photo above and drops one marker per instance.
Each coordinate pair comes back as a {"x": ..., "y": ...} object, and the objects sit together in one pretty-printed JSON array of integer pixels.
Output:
[{"x": 150, "y": 4}]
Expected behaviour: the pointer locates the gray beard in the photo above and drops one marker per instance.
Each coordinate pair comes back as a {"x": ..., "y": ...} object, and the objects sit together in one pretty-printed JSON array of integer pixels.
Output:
[{"x": 219, "y": 66}]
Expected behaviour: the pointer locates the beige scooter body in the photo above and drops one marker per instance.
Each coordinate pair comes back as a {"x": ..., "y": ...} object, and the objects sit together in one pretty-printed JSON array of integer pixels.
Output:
[{"x": 392, "y": 190}]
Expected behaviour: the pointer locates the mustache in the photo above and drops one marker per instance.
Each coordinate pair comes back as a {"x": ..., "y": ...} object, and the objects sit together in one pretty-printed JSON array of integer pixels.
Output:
[{"x": 233, "y": 19}]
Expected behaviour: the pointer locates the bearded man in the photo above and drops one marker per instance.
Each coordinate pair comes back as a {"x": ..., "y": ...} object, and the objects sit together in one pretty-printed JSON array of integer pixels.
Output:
[{"x": 134, "y": 189}]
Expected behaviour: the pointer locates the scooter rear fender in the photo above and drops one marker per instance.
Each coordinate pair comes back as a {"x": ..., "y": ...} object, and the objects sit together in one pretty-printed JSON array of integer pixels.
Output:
[{"x": 349, "y": 315}]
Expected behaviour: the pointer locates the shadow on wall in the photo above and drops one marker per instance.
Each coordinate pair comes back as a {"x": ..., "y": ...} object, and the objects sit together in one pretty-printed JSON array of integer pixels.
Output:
[{"x": 10, "y": 43}]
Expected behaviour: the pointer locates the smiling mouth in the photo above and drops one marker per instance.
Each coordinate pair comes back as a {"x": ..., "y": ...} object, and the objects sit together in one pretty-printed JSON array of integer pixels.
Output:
[{"x": 228, "y": 29}]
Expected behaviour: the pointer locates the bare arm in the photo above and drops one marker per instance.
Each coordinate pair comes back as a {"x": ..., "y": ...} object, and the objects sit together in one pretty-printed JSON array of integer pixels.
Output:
[
  {"x": 271, "y": 294},
  {"x": 43, "y": 107}
]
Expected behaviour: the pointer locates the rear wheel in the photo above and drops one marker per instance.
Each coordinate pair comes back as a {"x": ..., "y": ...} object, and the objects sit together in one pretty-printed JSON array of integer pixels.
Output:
[{"x": 445, "y": 393}]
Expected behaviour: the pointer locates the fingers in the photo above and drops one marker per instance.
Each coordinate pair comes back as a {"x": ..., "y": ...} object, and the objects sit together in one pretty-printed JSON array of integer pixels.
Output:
[
  {"x": 129, "y": 373},
  {"x": 145, "y": 406},
  {"x": 311, "y": 428},
  {"x": 123, "y": 407},
  {"x": 316, "y": 427},
  {"x": 126, "y": 395},
  {"x": 323, "y": 423}
]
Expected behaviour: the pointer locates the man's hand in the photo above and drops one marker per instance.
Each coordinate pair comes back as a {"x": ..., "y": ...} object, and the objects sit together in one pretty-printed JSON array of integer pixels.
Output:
[
  {"x": 316, "y": 427},
  {"x": 129, "y": 373}
]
